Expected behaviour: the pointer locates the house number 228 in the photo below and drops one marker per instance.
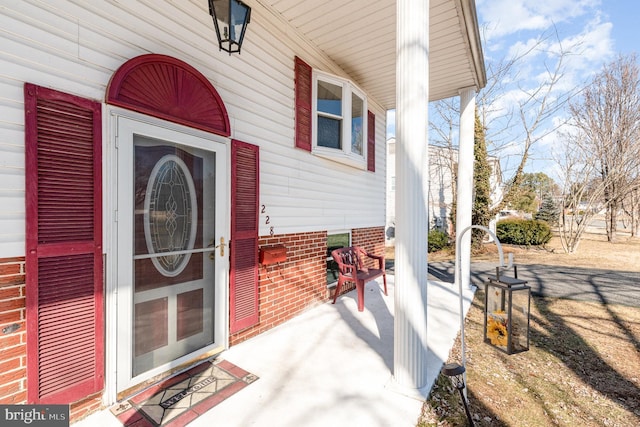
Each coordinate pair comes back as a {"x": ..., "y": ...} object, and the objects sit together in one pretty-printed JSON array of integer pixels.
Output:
[{"x": 267, "y": 220}]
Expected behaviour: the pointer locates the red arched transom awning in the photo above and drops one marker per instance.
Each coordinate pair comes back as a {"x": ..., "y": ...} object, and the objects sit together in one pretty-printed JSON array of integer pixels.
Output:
[{"x": 170, "y": 89}]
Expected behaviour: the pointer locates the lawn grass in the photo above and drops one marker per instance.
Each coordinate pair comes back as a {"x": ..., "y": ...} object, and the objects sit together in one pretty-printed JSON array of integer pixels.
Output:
[{"x": 582, "y": 368}]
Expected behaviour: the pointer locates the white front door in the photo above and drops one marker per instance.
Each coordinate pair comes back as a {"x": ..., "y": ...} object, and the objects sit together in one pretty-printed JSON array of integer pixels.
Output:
[{"x": 172, "y": 260}]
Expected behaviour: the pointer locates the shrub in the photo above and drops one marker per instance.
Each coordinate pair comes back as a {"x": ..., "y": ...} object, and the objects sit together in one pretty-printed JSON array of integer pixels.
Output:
[
  {"x": 526, "y": 232},
  {"x": 437, "y": 240}
]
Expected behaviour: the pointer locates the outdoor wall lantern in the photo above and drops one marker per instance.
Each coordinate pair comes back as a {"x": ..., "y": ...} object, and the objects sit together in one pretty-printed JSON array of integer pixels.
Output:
[
  {"x": 506, "y": 313},
  {"x": 455, "y": 373},
  {"x": 230, "y": 18}
]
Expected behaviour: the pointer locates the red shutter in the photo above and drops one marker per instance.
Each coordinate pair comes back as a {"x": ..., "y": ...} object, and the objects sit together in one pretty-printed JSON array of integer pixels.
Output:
[
  {"x": 65, "y": 329},
  {"x": 371, "y": 142},
  {"x": 303, "y": 104},
  {"x": 243, "y": 276}
]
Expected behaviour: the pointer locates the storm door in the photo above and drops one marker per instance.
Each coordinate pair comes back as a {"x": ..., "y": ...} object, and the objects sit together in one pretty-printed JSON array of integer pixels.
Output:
[{"x": 172, "y": 265}]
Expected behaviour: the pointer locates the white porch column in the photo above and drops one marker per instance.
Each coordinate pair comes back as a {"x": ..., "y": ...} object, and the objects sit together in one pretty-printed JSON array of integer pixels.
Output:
[
  {"x": 412, "y": 98},
  {"x": 465, "y": 182}
]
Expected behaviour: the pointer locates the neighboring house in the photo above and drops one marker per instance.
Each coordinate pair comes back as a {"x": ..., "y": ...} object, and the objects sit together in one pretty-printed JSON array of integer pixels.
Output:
[
  {"x": 163, "y": 200},
  {"x": 495, "y": 181},
  {"x": 442, "y": 161},
  {"x": 390, "y": 227}
]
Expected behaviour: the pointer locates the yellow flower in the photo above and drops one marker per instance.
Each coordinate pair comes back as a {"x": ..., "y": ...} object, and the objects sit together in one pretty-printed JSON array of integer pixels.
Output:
[{"x": 497, "y": 332}]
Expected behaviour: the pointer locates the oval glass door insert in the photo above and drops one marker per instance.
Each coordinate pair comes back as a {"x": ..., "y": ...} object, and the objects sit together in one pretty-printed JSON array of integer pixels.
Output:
[{"x": 170, "y": 215}]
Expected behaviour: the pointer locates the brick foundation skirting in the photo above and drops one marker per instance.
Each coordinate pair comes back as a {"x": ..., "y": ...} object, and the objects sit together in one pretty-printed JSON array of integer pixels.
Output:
[
  {"x": 285, "y": 290},
  {"x": 13, "y": 332},
  {"x": 371, "y": 239},
  {"x": 288, "y": 288}
]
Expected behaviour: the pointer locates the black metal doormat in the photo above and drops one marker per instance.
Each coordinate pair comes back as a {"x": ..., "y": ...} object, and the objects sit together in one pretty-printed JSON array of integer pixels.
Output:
[{"x": 181, "y": 399}]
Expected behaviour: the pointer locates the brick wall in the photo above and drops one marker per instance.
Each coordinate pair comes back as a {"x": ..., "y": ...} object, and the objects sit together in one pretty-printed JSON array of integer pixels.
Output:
[
  {"x": 288, "y": 288},
  {"x": 371, "y": 239},
  {"x": 13, "y": 335}
]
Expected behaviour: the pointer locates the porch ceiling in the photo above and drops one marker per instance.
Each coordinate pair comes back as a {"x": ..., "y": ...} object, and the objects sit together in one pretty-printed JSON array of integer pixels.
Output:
[{"x": 360, "y": 36}]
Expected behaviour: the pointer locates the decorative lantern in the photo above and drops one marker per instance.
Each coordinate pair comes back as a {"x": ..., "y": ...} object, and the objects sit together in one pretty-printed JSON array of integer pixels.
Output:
[
  {"x": 230, "y": 18},
  {"x": 507, "y": 303}
]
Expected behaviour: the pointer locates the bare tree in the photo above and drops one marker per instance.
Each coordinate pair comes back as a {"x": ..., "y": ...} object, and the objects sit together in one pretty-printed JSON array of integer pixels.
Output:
[
  {"x": 506, "y": 124},
  {"x": 581, "y": 191},
  {"x": 522, "y": 123},
  {"x": 607, "y": 118},
  {"x": 631, "y": 208},
  {"x": 532, "y": 115}
]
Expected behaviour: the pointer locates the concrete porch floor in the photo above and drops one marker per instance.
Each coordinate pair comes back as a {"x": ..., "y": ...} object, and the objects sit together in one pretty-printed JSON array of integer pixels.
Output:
[{"x": 331, "y": 366}]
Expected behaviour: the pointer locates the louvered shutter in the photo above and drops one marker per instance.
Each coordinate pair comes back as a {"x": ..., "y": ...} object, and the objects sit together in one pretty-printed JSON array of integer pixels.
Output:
[
  {"x": 371, "y": 142},
  {"x": 243, "y": 275},
  {"x": 303, "y": 104},
  {"x": 65, "y": 328}
]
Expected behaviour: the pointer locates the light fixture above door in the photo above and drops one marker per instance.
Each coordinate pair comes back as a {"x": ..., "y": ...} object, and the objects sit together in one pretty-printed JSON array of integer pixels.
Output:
[{"x": 230, "y": 18}]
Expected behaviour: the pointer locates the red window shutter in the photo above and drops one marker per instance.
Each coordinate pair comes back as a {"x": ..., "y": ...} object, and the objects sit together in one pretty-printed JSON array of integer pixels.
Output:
[
  {"x": 65, "y": 329},
  {"x": 371, "y": 142},
  {"x": 303, "y": 104},
  {"x": 243, "y": 275}
]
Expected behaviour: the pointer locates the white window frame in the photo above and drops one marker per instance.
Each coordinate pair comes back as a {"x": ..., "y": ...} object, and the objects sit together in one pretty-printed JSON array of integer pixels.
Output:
[{"x": 343, "y": 155}]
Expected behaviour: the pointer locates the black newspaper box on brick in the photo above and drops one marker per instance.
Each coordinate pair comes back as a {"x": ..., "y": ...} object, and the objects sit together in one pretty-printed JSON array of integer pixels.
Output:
[{"x": 507, "y": 302}]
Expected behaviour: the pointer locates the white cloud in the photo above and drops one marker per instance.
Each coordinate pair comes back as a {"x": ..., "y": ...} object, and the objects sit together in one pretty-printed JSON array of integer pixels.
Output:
[
  {"x": 537, "y": 33},
  {"x": 505, "y": 17},
  {"x": 591, "y": 48},
  {"x": 531, "y": 47}
]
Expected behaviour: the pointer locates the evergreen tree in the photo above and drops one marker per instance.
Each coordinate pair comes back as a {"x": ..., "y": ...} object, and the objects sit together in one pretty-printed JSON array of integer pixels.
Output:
[
  {"x": 480, "y": 214},
  {"x": 533, "y": 187},
  {"x": 549, "y": 211}
]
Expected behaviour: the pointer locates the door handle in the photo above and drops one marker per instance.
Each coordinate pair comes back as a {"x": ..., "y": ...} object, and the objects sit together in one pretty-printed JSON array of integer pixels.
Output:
[{"x": 221, "y": 246}]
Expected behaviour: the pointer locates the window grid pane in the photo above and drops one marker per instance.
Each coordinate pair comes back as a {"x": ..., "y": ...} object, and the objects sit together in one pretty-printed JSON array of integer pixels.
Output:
[
  {"x": 329, "y": 131},
  {"x": 329, "y": 106},
  {"x": 329, "y": 98},
  {"x": 357, "y": 122}
]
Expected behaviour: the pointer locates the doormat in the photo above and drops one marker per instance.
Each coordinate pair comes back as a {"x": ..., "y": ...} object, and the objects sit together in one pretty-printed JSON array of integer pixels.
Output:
[{"x": 181, "y": 399}]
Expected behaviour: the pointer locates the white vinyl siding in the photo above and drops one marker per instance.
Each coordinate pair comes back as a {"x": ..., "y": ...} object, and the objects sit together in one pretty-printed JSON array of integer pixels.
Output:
[{"x": 76, "y": 46}]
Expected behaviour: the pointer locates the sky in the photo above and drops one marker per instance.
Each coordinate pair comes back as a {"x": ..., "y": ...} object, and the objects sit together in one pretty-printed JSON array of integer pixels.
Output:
[{"x": 594, "y": 32}]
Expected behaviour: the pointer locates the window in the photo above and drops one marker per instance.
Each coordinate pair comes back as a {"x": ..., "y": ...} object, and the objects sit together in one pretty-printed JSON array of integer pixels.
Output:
[
  {"x": 329, "y": 110},
  {"x": 340, "y": 123},
  {"x": 357, "y": 125},
  {"x": 321, "y": 101},
  {"x": 335, "y": 241}
]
